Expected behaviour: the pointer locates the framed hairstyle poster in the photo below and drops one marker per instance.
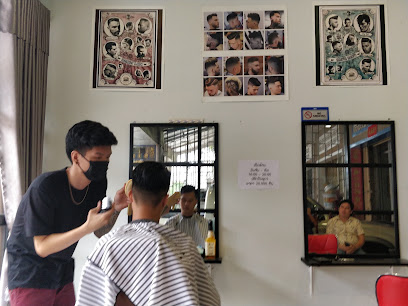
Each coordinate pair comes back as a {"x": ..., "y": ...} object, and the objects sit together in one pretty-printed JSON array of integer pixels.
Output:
[
  {"x": 244, "y": 54},
  {"x": 128, "y": 49},
  {"x": 350, "y": 45}
]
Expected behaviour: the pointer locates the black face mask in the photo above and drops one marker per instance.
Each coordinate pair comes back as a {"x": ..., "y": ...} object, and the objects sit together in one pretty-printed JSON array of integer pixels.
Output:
[{"x": 97, "y": 170}]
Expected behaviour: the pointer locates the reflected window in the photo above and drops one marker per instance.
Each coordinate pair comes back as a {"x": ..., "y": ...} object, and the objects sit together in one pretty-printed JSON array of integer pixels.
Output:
[
  {"x": 356, "y": 161},
  {"x": 189, "y": 151}
]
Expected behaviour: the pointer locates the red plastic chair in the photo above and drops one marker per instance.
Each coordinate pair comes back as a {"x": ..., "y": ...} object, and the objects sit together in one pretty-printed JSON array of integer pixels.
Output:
[
  {"x": 322, "y": 244},
  {"x": 392, "y": 290}
]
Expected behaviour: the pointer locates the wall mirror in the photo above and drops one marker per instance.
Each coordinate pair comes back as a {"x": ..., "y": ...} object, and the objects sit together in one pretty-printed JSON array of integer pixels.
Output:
[
  {"x": 351, "y": 160},
  {"x": 190, "y": 152}
]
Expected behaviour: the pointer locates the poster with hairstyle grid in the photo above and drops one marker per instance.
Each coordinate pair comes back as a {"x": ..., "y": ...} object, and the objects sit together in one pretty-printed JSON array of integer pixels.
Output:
[
  {"x": 244, "y": 54},
  {"x": 351, "y": 46}
]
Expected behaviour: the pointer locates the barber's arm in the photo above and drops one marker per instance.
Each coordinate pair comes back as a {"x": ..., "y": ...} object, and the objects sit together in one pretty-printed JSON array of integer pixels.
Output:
[
  {"x": 49, "y": 244},
  {"x": 121, "y": 201},
  {"x": 171, "y": 202}
]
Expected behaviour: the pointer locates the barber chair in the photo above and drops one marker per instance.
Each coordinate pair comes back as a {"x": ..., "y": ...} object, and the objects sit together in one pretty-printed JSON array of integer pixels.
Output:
[
  {"x": 392, "y": 290},
  {"x": 322, "y": 244}
]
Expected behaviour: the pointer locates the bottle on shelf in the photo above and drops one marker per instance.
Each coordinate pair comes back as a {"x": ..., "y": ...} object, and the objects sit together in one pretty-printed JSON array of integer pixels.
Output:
[{"x": 210, "y": 242}]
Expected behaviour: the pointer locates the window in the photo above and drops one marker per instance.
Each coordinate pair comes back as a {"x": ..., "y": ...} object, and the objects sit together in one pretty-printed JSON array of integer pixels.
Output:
[
  {"x": 190, "y": 152},
  {"x": 356, "y": 161}
]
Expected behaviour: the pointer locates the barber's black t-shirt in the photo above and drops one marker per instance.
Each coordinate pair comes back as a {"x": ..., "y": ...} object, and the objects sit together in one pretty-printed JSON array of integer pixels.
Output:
[{"x": 45, "y": 209}]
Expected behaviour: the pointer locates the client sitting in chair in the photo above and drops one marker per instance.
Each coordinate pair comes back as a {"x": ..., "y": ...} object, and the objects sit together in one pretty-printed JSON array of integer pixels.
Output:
[
  {"x": 143, "y": 261},
  {"x": 348, "y": 230}
]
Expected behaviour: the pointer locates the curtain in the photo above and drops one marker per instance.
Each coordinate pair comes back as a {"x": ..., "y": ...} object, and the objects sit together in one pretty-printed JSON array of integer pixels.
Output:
[{"x": 24, "y": 41}]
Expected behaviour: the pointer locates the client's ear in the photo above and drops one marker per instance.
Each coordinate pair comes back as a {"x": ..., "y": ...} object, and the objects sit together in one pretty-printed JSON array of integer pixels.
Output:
[{"x": 128, "y": 190}]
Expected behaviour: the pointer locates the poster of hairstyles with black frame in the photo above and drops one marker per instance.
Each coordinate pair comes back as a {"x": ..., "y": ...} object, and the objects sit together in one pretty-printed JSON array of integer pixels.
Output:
[
  {"x": 350, "y": 45},
  {"x": 128, "y": 49},
  {"x": 244, "y": 54}
]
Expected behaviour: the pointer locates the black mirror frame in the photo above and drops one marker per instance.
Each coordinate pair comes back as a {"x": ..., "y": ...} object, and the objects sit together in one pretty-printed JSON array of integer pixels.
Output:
[
  {"x": 310, "y": 259},
  {"x": 215, "y": 211}
]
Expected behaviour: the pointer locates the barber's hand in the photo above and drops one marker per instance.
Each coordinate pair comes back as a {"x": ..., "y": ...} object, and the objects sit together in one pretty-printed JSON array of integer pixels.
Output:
[
  {"x": 171, "y": 202},
  {"x": 121, "y": 199},
  {"x": 97, "y": 220}
]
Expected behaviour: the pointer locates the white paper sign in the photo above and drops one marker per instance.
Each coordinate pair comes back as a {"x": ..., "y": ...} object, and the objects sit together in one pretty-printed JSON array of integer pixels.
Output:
[{"x": 258, "y": 174}]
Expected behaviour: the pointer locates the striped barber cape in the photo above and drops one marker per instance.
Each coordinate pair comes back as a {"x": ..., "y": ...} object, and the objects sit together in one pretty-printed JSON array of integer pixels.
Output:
[{"x": 151, "y": 263}]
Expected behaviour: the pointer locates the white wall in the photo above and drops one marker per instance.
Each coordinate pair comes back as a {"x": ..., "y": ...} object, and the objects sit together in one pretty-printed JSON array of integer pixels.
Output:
[{"x": 261, "y": 250}]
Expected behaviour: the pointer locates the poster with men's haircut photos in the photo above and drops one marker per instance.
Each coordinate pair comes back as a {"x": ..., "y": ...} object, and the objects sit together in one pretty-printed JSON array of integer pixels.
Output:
[
  {"x": 244, "y": 54},
  {"x": 128, "y": 49},
  {"x": 350, "y": 49}
]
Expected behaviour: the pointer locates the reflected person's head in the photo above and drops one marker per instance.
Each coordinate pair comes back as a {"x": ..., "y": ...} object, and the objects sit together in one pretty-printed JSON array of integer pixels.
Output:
[
  {"x": 345, "y": 209},
  {"x": 150, "y": 183},
  {"x": 188, "y": 200}
]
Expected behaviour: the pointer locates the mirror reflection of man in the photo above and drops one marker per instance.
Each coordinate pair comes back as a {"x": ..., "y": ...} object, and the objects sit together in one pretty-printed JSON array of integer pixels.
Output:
[
  {"x": 348, "y": 230},
  {"x": 188, "y": 221}
]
